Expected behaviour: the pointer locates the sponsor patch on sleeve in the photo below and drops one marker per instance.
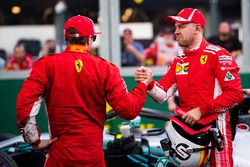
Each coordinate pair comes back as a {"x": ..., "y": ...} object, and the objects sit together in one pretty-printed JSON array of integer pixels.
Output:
[
  {"x": 225, "y": 60},
  {"x": 229, "y": 77},
  {"x": 225, "y": 57}
]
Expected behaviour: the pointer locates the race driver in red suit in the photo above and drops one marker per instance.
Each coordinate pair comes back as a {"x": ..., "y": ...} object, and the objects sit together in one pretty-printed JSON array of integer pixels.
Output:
[
  {"x": 75, "y": 86},
  {"x": 206, "y": 77}
]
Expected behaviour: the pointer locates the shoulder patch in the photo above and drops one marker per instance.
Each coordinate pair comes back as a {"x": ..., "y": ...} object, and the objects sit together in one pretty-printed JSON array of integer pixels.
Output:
[
  {"x": 225, "y": 57},
  {"x": 225, "y": 60},
  {"x": 229, "y": 77}
]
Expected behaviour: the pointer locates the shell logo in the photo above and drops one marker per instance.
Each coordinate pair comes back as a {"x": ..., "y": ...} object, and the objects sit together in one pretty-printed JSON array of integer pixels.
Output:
[{"x": 178, "y": 68}]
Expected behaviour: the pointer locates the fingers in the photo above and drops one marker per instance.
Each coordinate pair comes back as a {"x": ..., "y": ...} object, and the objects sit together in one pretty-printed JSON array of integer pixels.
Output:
[
  {"x": 52, "y": 140},
  {"x": 188, "y": 119},
  {"x": 141, "y": 74},
  {"x": 44, "y": 144}
]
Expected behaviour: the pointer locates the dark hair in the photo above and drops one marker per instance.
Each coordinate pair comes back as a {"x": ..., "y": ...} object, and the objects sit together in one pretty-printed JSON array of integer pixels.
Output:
[
  {"x": 3, "y": 54},
  {"x": 127, "y": 30},
  {"x": 74, "y": 40}
]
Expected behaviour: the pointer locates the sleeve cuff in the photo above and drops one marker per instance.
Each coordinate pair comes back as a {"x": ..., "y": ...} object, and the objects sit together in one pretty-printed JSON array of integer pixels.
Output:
[
  {"x": 151, "y": 85},
  {"x": 36, "y": 143}
]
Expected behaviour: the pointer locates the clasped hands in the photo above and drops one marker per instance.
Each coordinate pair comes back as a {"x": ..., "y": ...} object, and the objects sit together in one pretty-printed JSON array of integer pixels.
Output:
[{"x": 145, "y": 75}]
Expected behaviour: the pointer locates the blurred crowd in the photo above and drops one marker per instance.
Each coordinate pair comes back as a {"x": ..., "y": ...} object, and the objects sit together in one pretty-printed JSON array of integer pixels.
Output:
[
  {"x": 25, "y": 52},
  {"x": 160, "y": 52}
]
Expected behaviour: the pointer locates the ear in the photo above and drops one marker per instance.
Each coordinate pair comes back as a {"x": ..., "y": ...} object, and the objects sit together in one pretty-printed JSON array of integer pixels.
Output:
[
  {"x": 89, "y": 40},
  {"x": 197, "y": 29}
]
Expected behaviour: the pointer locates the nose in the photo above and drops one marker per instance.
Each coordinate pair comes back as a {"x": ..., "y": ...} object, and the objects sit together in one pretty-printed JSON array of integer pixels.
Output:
[{"x": 176, "y": 31}]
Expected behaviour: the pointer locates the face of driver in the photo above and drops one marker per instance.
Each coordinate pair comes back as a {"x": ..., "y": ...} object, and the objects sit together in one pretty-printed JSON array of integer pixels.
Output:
[{"x": 186, "y": 33}]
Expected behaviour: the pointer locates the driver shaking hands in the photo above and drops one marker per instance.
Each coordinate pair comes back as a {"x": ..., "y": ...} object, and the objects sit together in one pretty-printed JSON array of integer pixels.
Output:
[
  {"x": 75, "y": 86},
  {"x": 206, "y": 77}
]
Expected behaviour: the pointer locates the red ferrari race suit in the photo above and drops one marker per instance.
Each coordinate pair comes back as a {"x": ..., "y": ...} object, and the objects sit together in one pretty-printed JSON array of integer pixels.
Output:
[
  {"x": 75, "y": 86},
  {"x": 207, "y": 78}
]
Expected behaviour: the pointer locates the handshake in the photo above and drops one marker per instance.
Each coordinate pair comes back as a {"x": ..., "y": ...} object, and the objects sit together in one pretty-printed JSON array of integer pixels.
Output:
[{"x": 144, "y": 75}]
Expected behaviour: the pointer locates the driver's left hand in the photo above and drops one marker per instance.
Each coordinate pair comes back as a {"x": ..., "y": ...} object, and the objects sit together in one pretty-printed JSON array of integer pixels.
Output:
[{"x": 192, "y": 116}]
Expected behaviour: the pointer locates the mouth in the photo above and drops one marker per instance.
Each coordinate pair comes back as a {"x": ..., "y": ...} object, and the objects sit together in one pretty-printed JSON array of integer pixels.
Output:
[{"x": 178, "y": 38}]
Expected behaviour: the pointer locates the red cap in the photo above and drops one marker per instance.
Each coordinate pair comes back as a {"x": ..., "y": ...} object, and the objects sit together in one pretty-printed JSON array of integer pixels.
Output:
[
  {"x": 84, "y": 26},
  {"x": 187, "y": 15}
]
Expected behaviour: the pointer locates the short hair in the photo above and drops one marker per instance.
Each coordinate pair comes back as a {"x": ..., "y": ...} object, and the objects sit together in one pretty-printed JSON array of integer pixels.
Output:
[
  {"x": 127, "y": 30},
  {"x": 74, "y": 40}
]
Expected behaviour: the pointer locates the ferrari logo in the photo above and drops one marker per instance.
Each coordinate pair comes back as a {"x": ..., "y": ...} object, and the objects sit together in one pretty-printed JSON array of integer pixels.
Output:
[
  {"x": 78, "y": 65},
  {"x": 203, "y": 59}
]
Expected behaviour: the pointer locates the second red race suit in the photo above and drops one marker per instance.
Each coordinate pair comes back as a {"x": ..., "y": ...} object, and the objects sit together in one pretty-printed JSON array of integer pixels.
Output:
[
  {"x": 207, "y": 78},
  {"x": 75, "y": 87}
]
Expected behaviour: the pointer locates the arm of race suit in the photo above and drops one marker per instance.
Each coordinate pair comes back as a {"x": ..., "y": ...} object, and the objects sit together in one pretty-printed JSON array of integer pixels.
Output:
[
  {"x": 226, "y": 72},
  {"x": 29, "y": 101},
  {"x": 162, "y": 90},
  {"x": 127, "y": 105}
]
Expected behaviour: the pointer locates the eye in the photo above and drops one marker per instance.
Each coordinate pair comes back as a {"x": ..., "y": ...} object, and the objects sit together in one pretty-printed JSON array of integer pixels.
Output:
[{"x": 182, "y": 25}]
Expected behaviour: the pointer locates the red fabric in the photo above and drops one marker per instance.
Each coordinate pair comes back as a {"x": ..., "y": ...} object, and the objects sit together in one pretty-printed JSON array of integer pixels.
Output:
[
  {"x": 188, "y": 15},
  {"x": 76, "y": 103},
  {"x": 84, "y": 26},
  {"x": 151, "y": 85},
  {"x": 14, "y": 64}
]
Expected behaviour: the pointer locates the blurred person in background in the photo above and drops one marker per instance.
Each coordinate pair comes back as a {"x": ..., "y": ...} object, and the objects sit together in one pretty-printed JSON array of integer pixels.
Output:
[
  {"x": 3, "y": 57},
  {"x": 163, "y": 50},
  {"x": 226, "y": 39},
  {"x": 20, "y": 60},
  {"x": 48, "y": 48},
  {"x": 75, "y": 86},
  {"x": 132, "y": 51}
]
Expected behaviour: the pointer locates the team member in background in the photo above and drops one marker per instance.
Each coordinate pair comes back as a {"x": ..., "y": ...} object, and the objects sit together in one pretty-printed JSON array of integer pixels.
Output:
[
  {"x": 132, "y": 51},
  {"x": 48, "y": 48},
  {"x": 207, "y": 80},
  {"x": 163, "y": 50},
  {"x": 227, "y": 40},
  {"x": 75, "y": 86},
  {"x": 20, "y": 60}
]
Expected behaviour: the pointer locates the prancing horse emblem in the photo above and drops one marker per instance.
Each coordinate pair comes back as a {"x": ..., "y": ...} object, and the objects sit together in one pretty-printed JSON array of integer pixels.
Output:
[
  {"x": 78, "y": 65},
  {"x": 203, "y": 59}
]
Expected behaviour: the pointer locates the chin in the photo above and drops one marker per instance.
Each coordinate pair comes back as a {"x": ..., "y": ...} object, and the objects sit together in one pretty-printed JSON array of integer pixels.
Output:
[{"x": 182, "y": 44}]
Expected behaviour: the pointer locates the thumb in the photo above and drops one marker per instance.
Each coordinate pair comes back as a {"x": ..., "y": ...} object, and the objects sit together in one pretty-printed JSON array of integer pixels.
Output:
[
  {"x": 142, "y": 68},
  {"x": 184, "y": 116},
  {"x": 53, "y": 140}
]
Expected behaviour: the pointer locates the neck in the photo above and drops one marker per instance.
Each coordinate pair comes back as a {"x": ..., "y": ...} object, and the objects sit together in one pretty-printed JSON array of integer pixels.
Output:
[
  {"x": 196, "y": 43},
  {"x": 79, "y": 48}
]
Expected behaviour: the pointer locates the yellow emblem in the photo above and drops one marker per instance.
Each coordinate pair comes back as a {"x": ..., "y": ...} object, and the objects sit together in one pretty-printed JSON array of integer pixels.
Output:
[
  {"x": 185, "y": 68},
  {"x": 178, "y": 68},
  {"x": 78, "y": 65},
  {"x": 203, "y": 59}
]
